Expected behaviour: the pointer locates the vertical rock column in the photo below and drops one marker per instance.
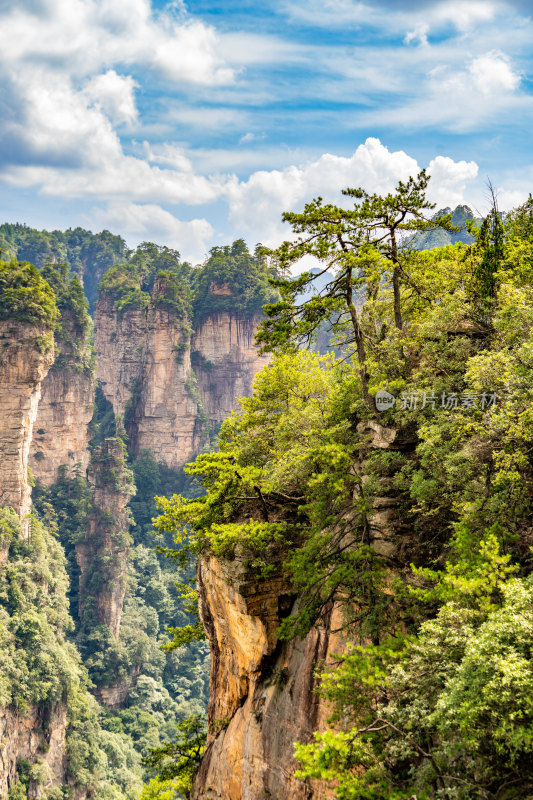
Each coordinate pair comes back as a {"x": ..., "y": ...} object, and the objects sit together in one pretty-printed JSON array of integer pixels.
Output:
[
  {"x": 26, "y": 355},
  {"x": 262, "y": 691},
  {"x": 103, "y": 555},
  {"x": 167, "y": 419},
  {"x": 226, "y": 361},
  {"x": 61, "y": 431},
  {"x": 118, "y": 340}
]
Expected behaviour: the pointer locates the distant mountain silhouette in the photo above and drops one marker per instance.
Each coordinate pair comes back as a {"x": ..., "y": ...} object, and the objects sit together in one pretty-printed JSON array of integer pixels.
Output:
[{"x": 438, "y": 237}]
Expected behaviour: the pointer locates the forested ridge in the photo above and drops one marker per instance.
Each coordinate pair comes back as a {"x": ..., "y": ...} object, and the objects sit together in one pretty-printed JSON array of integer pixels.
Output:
[
  {"x": 164, "y": 690},
  {"x": 432, "y": 694}
]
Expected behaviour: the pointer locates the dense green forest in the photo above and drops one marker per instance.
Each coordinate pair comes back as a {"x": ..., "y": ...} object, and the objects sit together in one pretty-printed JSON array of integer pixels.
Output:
[
  {"x": 90, "y": 256},
  {"x": 434, "y": 696},
  {"x": 169, "y": 688},
  {"x": 188, "y": 291}
]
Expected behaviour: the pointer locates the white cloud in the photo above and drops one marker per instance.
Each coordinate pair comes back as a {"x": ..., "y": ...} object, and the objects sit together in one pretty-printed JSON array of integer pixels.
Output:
[
  {"x": 465, "y": 14},
  {"x": 55, "y": 124},
  {"x": 459, "y": 97},
  {"x": 189, "y": 53},
  {"x": 114, "y": 94},
  {"x": 150, "y": 222},
  {"x": 492, "y": 74},
  {"x": 392, "y": 16},
  {"x": 511, "y": 198},
  {"x": 82, "y": 36},
  {"x": 204, "y": 117},
  {"x": 69, "y": 148},
  {"x": 169, "y": 155},
  {"x": 251, "y": 137},
  {"x": 256, "y": 205},
  {"x": 449, "y": 180},
  {"x": 418, "y": 34}
]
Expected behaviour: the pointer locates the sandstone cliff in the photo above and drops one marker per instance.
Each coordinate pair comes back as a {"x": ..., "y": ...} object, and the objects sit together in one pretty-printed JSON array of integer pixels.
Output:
[
  {"x": 102, "y": 556},
  {"x": 262, "y": 695},
  {"x": 39, "y": 739},
  {"x": 61, "y": 431},
  {"x": 118, "y": 340},
  {"x": 172, "y": 384},
  {"x": 226, "y": 361},
  {"x": 167, "y": 418},
  {"x": 26, "y": 355}
]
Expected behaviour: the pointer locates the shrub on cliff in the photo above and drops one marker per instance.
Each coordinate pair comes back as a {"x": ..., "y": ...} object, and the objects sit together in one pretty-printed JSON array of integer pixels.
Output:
[
  {"x": 152, "y": 270},
  {"x": 121, "y": 284},
  {"x": 233, "y": 279},
  {"x": 25, "y": 295}
]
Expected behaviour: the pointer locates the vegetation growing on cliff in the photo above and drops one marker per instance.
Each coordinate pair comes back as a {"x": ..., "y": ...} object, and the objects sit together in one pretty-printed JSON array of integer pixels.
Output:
[
  {"x": 88, "y": 254},
  {"x": 150, "y": 271},
  {"x": 434, "y": 698},
  {"x": 25, "y": 295},
  {"x": 233, "y": 279},
  {"x": 74, "y": 328},
  {"x": 41, "y": 669}
]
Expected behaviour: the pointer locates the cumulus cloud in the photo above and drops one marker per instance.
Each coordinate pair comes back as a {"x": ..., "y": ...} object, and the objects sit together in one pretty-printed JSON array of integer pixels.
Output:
[
  {"x": 114, "y": 94},
  {"x": 67, "y": 147},
  {"x": 82, "y": 36},
  {"x": 449, "y": 180},
  {"x": 256, "y": 205},
  {"x": 62, "y": 101},
  {"x": 492, "y": 74},
  {"x": 150, "y": 222}
]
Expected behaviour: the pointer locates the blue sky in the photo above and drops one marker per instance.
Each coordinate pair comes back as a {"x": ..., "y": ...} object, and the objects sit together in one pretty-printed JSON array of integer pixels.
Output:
[{"x": 191, "y": 124}]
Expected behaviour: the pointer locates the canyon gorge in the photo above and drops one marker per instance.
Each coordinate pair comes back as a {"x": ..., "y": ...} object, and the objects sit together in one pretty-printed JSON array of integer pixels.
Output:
[{"x": 165, "y": 383}]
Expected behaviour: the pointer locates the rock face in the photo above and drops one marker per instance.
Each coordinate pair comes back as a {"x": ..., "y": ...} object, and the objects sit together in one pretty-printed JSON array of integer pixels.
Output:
[
  {"x": 226, "y": 361},
  {"x": 172, "y": 384},
  {"x": 103, "y": 554},
  {"x": 29, "y": 736},
  {"x": 26, "y": 355},
  {"x": 262, "y": 696},
  {"x": 167, "y": 417},
  {"x": 61, "y": 430},
  {"x": 118, "y": 340}
]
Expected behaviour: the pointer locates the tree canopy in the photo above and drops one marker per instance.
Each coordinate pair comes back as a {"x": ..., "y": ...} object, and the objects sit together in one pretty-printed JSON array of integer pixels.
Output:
[{"x": 433, "y": 699}]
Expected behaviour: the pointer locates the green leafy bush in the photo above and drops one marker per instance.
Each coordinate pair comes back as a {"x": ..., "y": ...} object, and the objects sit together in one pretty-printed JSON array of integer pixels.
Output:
[{"x": 25, "y": 295}]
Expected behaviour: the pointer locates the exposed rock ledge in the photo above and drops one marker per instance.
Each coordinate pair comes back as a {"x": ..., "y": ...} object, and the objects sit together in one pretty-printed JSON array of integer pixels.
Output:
[
  {"x": 26, "y": 355},
  {"x": 262, "y": 697}
]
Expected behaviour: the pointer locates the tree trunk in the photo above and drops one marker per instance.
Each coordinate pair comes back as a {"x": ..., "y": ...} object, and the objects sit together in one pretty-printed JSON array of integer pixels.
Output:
[
  {"x": 359, "y": 341},
  {"x": 396, "y": 282}
]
